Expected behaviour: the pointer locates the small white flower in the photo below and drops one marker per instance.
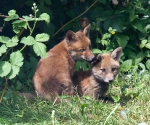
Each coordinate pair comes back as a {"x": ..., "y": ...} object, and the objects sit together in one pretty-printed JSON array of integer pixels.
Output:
[
  {"x": 32, "y": 8},
  {"x": 37, "y": 10},
  {"x": 34, "y": 4},
  {"x": 30, "y": 15}
]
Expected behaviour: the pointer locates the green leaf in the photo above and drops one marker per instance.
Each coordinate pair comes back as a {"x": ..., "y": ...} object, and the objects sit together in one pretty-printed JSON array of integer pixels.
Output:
[
  {"x": 126, "y": 65},
  {"x": 137, "y": 25},
  {"x": 148, "y": 64},
  {"x": 5, "y": 68},
  {"x": 40, "y": 49},
  {"x": 20, "y": 23},
  {"x": 45, "y": 17},
  {"x": 12, "y": 42},
  {"x": 14, "y": 71},
  {"x": 3, "y": 49},
  {"x": 147, "y": 27},
  {"x": 28, "y": 40},
  {"x": 147, "y": 53},
  {"x": 122, "y": 40},
  {"x": 42, "y": 37},
  {"x": 11, "y": 12},
  {"x": 140, "y": 56},
  {"x": 4, "y": 39},
  {"x": 96, "y": 50},
  {"x": 16, "y": 59},
  {"x": 48, "y": 2},
  {"x": 104, "y": 42},
  {"x": 132, "y": 16},
  {"x": 106, "y": 36},
  {"x": 147, "y": 45},
  {"x": 102, "y": 1},
  {"x": 98, "y": 40},
  {"x": 144, "y": 41}
]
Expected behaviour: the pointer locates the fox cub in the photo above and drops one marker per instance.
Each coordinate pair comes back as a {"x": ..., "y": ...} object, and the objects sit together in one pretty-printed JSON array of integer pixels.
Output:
[
  {"x": 95, "y": 82},
  {"x": 53, "y": 73}
]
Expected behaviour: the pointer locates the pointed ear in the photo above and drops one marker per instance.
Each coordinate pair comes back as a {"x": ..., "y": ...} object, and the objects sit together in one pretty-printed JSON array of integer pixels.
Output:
[
  {"x": 97, "y": 59},
  {"x": 71, "y": 36},
  {"x": 116, "y": 54},
  {"x": 86, "y": 30}
]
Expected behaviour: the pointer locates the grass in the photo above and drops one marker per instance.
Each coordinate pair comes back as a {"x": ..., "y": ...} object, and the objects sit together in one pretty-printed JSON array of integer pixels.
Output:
[{"x": 131, "y": 93}]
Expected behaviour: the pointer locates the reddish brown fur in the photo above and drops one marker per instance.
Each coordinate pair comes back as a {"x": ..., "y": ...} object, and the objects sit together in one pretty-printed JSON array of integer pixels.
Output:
[
  {"x": 95, "y": 82},
  {"x": 53, "y": 74}
]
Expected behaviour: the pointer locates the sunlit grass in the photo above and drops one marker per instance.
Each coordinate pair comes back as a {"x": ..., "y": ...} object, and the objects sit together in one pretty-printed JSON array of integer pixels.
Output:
[{"x": 132, "y": 107}]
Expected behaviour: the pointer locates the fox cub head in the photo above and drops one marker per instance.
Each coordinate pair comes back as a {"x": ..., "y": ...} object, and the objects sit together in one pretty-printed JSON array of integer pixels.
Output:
[
  {"x": 79, "y": 44},
  {"x": 106, "y": 66}
]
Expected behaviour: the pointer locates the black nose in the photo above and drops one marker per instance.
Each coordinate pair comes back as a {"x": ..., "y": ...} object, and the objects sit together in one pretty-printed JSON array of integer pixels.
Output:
[{"x": 111, "y": 80}]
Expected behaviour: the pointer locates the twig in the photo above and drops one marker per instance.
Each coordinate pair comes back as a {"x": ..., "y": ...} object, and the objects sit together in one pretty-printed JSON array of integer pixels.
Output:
[
  {"x": 111, "y": 113},
  {"x": 6, "y": 83},
  {"x": 4, "y": 16},
  {"x": 75, "y": 18}
]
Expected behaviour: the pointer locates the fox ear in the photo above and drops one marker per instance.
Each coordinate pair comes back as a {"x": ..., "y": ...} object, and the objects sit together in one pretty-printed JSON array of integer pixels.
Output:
[
  {"x": 116, "y": 54},
  {"x": 86, "y": 30},
  {"x": 71, "y": 36},
  {"x": 97, "y": 59}
]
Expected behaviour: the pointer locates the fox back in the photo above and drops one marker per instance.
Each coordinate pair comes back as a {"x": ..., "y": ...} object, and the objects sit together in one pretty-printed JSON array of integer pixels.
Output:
[
  {"x": 95, "y": 82},
  {"x": 53, "y": 74}
]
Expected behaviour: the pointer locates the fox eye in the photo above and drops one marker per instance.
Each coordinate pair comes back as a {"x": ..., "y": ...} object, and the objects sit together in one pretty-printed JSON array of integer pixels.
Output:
[
  {"x": 82, "y": 50},
  {"x": 103, "y": 70},
  {"x": 113, "y": 69}
]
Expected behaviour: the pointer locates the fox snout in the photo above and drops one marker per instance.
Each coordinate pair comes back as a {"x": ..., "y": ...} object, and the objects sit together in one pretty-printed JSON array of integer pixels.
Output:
[
  {"x": 107, "y": 80},
  {"x": 89, "y": 56}
]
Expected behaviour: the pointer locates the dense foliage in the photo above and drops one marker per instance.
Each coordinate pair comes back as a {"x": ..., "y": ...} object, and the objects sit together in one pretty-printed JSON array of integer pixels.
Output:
[{"x": 25, "y": 26}]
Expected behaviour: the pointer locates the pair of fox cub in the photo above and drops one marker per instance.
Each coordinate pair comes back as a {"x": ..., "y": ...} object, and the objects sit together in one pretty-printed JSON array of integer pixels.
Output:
[{"x": 55, "y": 74}]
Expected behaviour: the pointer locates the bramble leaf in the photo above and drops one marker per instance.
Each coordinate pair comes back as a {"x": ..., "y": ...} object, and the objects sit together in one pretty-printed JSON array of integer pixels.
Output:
[
  {"x": 5, "y": 68},
  {"x": 14, "y": 71},
  {"x": 12, "y": 42},
  {"x": 42, "y": 37},
  {"x": 4, "y": 39},
  {"x": 28, "y": 40},
  {"x": 45, "y": 17},
  {"x": 16, "y": 58},
  {"x": 40, "y": 49},
  {"x": 3, "y": 49}
]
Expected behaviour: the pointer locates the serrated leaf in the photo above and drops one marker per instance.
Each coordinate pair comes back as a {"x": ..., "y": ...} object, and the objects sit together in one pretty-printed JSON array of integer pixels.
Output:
[
  {"x": 137, "y": 25},
  {"x": 5, "y": 68},
  {"x": 12, "y": 42},
  {"x": 104, "y": 42},
  {"x": 28, "y": 40},
  {"x": 148, "y": 64},
  {"x": 126, "y": 65},
  {"x": 122, "y": 40},
  {"x": 45, "y": 17},
  {"x": 106, "y": 36},
  {"x": 140, "y": 56},
  {"x": 42, "y": 37},
  {"x": 20, "y": 23},
  {"x": 3, "y": 49},
  {"x": 147, "y": 45},
  {"x": 16, "y": 59},
  {"x": 96, "y": 50},
  {"x": 11, "y": 12},
  {"x": 14, "y": 71},
  {"x": 40, "y": 49},
  {"x": 4, "y": 39}
]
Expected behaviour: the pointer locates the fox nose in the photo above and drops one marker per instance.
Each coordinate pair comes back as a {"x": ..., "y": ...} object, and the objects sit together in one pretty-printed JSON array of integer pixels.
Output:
[{"x": 111, "y": 80}]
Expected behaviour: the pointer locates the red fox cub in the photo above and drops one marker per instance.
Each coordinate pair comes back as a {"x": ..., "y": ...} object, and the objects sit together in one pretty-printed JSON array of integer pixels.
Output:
[
  {"x": 53, "y": 74},
  {"x": 95, "y": 82}
]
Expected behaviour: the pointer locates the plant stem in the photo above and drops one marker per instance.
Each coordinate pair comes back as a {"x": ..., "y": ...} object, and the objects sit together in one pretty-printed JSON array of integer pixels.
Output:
[
  {"x": 75, "y": 18},
  {"x": 111, "y": 113},
  {"x": 6, "y": 83}
]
